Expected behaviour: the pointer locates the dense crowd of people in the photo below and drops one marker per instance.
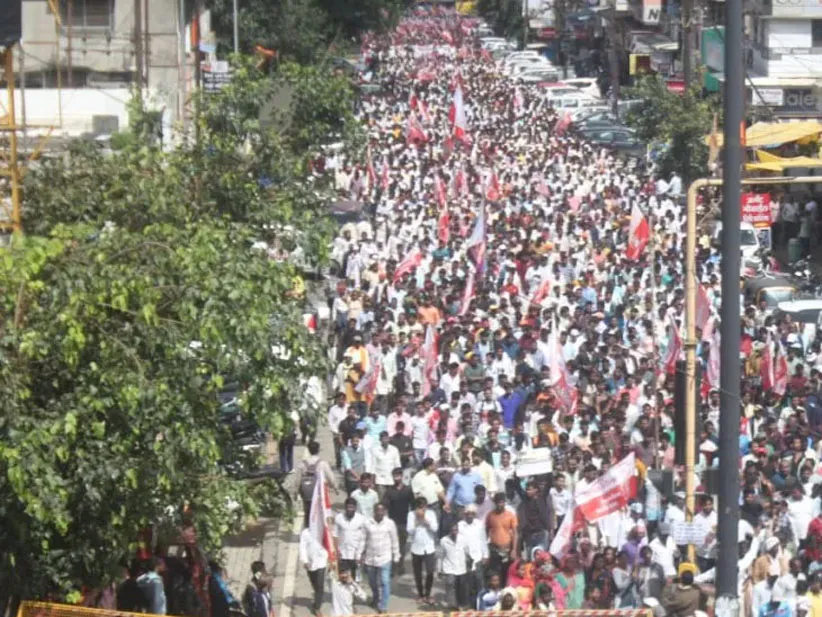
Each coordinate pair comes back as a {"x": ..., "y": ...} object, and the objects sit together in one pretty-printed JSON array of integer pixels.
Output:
[{"x": 503, "y": 338}]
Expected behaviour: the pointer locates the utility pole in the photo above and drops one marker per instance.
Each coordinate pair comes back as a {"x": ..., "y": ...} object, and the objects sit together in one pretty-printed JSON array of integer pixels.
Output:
[
  {"x": 182, "y": 72},
  {"x": 524, "y": 24},
  {"x": 236, "y": 28},
  {"x": 138, "y": 45},
  {"x": 613, "y": 58},
  {"x": 727, "y": 591},
  {"x": 687, "y": 19}
]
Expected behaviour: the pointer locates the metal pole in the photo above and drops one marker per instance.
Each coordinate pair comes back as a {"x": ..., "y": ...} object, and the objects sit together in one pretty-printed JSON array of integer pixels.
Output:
[
  {"x": 727, "y": 591},
  {"x": 613, "y": 58},
  {"x": 236, "y": 29},
  {"x": 690, "y": 354},
  {"x": 524, "y": 24},
  {"x": 138, "y": 45},
  {"x": 14, "y": 169},
  {"x": 183, "y": 73}
]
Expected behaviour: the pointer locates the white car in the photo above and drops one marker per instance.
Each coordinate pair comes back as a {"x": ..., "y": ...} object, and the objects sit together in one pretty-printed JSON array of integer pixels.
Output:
[
  {"x": 538, "y": 76},
  {"x": 522, "y": 66},
  {"x": 586, "y": 85},
  {"x": 514, "y": 56}
]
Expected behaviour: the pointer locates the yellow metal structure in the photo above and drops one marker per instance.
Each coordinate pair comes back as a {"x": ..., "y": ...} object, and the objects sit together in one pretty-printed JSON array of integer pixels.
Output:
[{"x": 49, "y": 609}]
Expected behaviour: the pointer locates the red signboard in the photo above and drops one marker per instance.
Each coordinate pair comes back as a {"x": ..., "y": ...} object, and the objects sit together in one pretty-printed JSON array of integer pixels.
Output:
[{"x": 756, "y": 209}]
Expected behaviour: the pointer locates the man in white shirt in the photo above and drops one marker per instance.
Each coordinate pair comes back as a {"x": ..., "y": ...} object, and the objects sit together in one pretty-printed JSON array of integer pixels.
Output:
[
  {"x": 336, "y": 414},
  {"x": 385, "y": 459},
  {"x": 472, "y": 530},
  {"x": 382, "y": 548},
  {"x": 343, "y": 592},
  {"x": 349, "y": 535},
  {"x": 454, "y": 555},
  {"x": 426, "y": 484},
  {"x": 422, "y": 536},
  {"x": 560, "y": 498},
  {"x": 663, "y": 550},
  {"x": 314, "y": 558}
]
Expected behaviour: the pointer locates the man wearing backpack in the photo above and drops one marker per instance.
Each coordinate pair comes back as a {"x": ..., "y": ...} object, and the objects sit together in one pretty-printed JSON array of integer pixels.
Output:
[{"x": 306, "y": 477}]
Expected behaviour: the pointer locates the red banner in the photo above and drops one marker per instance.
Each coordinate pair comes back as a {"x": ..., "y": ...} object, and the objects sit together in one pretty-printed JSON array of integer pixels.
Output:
[{"x": 756, "y": 209}]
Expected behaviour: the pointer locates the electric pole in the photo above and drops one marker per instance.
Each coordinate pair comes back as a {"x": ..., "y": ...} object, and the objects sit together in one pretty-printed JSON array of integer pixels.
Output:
[
  {"x": 613, "y": 58},
  {"x": 236, "y": 28},
  {"x": 727, "y": 591},
  {"x": 138, "y": 45}
]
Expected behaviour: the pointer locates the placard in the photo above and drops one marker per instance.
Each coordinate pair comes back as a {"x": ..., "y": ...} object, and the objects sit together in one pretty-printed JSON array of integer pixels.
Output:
[
  {"x": 756, "y": 209},
  {"x": 689, "y": 533}
]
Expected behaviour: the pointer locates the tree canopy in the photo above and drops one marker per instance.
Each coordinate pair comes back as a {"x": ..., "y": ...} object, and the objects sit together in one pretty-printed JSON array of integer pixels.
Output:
[
  {"x": 135, "y": 295},
  {"x": 678, "y": 120}
]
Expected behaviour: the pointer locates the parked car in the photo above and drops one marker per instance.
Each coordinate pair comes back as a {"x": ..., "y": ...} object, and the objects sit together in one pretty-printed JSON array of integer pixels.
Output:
[
  {"x": 586, "y": 85},
  {"x": 623, "y": 140},
  {"x": 538, "y": 75},
  {"x": 748, "y": 239},
  {"x": 601, "y": 120}
]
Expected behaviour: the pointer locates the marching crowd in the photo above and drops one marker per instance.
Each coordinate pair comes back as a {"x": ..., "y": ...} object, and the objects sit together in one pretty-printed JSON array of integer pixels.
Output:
[{"x": 506, "y": 329}]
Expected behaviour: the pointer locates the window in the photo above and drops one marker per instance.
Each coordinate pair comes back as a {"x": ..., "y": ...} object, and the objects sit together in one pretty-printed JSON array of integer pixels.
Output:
[
  {"x": 816, "y": 32},
  {"x": 87, "y": 13}
]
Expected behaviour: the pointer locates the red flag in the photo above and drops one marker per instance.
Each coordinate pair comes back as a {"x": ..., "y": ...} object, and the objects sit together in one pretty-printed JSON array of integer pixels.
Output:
[
  {"x": 673, "y": 349},
  {"x": 321, "y": 515},
  {"x": 413, "y": 101},
  {"x": 766, "y": 365},
  {"x": 461, "y": 181},
  {"x": 384, "y": 181},
  {"x": 443, "y": 226},
  {"x": 565, "y": 393},
  {"x": 429, "y": 360},
  {"x": 703, "y": 307},
  {"x": 574, "y": 202},
  {"x": 492, "y": 190},
  {"x": 310, "y": 321},
  {"x": 459, "y": 120},
  {"x": 780, "y": 371},
  {"x": 572, "y": 523},
  {"x": 467, "y": 294},
  {"x": 610, "y": 492},
  {"x": 367, "y": 384},
  {"x": 638, "y": 234},
  {"x": 409, "y": 263},
  {"x": 414, "y": 132},
  {"x": 439, "y": 191},
  {"x": 541, "y": 292},
  {"x": 563, "y": 123}
]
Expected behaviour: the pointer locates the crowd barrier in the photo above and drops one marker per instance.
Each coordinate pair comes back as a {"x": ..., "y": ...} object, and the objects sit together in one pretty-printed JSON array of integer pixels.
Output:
[
  {"x": 560, "y": 613},
  {"x": 49, "y": 609}
]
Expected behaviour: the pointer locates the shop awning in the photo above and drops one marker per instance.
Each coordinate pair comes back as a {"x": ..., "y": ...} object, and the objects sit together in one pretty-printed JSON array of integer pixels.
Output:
[
  {"x": 771, "y": 162},
  {"x": 775, "y": 133}
]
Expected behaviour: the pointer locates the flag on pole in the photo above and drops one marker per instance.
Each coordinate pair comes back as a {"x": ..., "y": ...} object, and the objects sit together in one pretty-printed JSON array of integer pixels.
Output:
[
  {"x": 424, "y": 114},
  {"x": 372, "y": 173},
  {"x": 766, "y": 365},
  {"x": 563, "y": 123},
  {"x": 561, "y": 385},
  {"x": 638, "y": 234},
  {"x": 712, "y": 372},
  {"x": 519, "y": 103},
  {"x": 321, "y": 515},
  {"x": 703, "y": 307},
  {"x": 674, "y": 348},
  {"x": 541, "y": 292},
  {"x": 460, "y": 122},
  {"x": 384, "y": 180},
  {"x": 408, "y": 264},
  {"x": 476, "y": 243},
  {"x": 467, "y": 294},
  {"x": 439, "y": 191},
  {"x": 444, "y": 226},
  {"x": 429, "y": 361},
  {"x": 414, "y": 132},
  {"x": 610, "y": 492},
  {"x": 572, "y": 523},
  {"x": 780, "y": 371},
  {"x": 492, "y": 190}
]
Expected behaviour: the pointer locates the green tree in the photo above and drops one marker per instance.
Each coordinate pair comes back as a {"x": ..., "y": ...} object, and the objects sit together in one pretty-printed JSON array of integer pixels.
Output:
[
  {"x": 136, "y": 294},
  {"x": 679, "y": 121},
  {"x": 505, "y": 16}
]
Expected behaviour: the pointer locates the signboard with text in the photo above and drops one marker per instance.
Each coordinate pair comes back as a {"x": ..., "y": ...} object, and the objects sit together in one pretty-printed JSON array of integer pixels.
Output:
[{"x": 756, "y": 209}]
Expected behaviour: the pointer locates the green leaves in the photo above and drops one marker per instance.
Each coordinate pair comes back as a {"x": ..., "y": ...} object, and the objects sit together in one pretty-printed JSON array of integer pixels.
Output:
[
  {"x": 133, "y": 299},
  {"x": 681, "y": 120}
]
